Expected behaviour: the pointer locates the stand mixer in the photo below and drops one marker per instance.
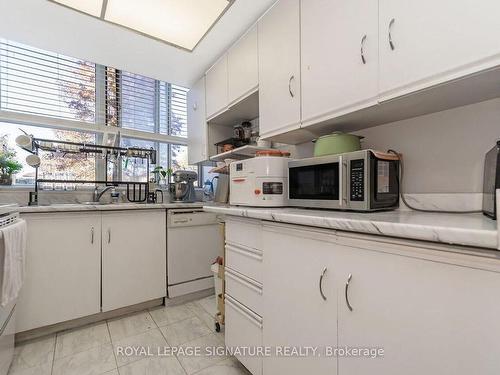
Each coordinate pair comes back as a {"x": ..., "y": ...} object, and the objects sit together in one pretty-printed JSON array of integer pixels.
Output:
[{"x": 182, "y": 189}]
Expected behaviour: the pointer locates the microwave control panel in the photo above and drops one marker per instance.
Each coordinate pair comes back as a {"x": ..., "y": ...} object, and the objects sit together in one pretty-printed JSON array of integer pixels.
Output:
[{"x": 357, "y": 183}]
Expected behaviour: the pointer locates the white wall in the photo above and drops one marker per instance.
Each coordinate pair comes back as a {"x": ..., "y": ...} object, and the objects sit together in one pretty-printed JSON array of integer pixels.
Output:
[{"x": 443, "y": 151}]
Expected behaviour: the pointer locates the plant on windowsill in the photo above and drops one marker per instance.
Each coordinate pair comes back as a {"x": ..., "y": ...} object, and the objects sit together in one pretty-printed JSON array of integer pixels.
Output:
[{"x": 8, "y": 163}]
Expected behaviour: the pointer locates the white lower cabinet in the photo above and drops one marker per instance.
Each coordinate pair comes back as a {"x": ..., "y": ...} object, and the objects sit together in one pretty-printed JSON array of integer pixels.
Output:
[
  {"x": 63, "y": 269},
  {"x": 133, "y": 258},
  {"x": 295, "y": 313}
]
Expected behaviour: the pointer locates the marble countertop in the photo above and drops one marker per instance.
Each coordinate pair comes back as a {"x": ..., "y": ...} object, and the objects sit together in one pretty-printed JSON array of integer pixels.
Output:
[
  {"x": 459, "y": 229},
  {"x": 75, "y": 207}
]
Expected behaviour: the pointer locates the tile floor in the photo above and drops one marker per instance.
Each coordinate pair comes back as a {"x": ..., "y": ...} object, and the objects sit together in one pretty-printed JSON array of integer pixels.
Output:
[{"x": 95, "y": 349}]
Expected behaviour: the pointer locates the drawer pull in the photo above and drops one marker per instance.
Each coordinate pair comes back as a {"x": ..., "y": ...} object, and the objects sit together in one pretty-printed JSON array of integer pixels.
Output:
[
  {"x": 391, "y": 43},
  {"x": 363, "y": 40},
  {"x": 238, "y": 307},
  {"x": 321, "y": 283},
  {"x": 251, "y": 253},
  {"x": 238, "y": 277}
]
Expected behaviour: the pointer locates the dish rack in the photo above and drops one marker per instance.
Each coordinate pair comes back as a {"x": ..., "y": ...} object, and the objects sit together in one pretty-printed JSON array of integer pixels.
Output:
[{"x": 137, "y": 191}]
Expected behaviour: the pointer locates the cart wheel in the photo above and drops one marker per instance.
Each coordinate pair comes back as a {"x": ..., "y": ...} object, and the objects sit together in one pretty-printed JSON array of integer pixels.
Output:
[{"x": 217, "y": 327}]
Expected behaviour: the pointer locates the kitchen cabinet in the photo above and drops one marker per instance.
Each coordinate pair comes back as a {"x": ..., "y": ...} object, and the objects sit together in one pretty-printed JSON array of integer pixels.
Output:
[
  {"x": 434, "y": 42},
  {"x": 242, "y": 67},
  {"x": 279, "y": 68},
  {"x": 133, "y": 258},
  {"x": 339, "y": 53},
  {"x": 296, "y": 266},
  {"x": 441, "y": 314},
  {"x": 63, "y": 269},
  {"x": 196, "y": 123},
  {"x": 216, "y": 88}
]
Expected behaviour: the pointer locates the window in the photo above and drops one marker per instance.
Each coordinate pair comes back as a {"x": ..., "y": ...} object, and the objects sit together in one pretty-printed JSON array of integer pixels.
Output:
[{"x": 54, "y": 93}]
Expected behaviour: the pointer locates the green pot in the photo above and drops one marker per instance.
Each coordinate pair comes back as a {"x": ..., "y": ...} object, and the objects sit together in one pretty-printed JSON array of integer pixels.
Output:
[{"x": 336, "y": 143}]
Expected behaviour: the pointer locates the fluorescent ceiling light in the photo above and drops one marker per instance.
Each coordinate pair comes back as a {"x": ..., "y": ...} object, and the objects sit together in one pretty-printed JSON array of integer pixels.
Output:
[{"x": 182, "y": 23}]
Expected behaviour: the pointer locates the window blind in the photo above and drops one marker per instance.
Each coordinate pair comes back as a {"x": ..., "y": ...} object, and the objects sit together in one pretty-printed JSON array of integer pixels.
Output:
[
  {"x": 38, "y": 82},
  {"x": 42, "y": 83}
]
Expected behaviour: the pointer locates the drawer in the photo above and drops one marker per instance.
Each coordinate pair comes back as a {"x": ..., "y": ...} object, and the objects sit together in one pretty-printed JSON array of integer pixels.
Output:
[
  {"x": 245, "y": 260},
  {"x": 7, "y": 342},
  {"x": 246, "y": 232},
  {"x": 244, "y": 329},
  {"x": 245, "y": 290}
]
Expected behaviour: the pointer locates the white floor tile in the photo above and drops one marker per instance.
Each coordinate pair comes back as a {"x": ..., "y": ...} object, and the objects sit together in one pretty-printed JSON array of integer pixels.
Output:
[
  {"x": 230, "y": 366},
  {"x": 81, "y": 339},
  {"x": 130, "y": 325},
  {"x": 34, "y": 353},
  {"x": 154, "y": 366},
  {"x": 208, "y": 304},
  {"x": 95, "y": 361},
  {"x": 170, "y": 314},
  {"x": 151, "y": 341},
  {"x": 201, "y": 313},
  {"x": 184, "y": 331},
  {"x": 45, "y": 369},
  {"x": 193, "y": 364}
]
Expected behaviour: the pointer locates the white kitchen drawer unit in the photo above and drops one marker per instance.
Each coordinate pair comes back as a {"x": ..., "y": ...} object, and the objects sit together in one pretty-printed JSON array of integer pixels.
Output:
[
  {"x": 246, "y": 232},
  {"x": 244, "y": 289},
  {"x": 245, "y": 260},
  {"x": 244, "y": 329}
]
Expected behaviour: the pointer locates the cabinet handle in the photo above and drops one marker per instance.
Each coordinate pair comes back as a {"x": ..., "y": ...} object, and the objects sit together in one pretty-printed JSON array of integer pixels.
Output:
[
  {"x": 92, "y": 235},
  {"x": 363, "y": 40},
  {"x": 347, "y": 292},
  {"x": 290, "y": 86},
  {"x": 391, "y": 23},
  {"x": 321, "y": 284},
  {"x": 109, "y": 235}
]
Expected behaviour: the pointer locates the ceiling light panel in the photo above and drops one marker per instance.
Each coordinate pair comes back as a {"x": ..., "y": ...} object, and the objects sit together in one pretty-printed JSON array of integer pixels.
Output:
[
  {"x": 179, "y": 22},
  {"x": 92, "y": 7}
]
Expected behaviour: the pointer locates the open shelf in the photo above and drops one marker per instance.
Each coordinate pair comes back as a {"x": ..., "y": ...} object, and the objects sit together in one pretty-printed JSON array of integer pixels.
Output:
[{"x": 244, "y": 152}]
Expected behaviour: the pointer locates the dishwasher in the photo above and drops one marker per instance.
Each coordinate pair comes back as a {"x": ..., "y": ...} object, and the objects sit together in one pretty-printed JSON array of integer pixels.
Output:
[{"x": 194, "y": 240}]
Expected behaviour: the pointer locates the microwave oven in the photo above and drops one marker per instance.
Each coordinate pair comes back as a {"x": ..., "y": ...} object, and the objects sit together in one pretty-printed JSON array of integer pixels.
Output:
[
  {"x": 364, "y": 180},
  {"x": 260, "y": 181}
]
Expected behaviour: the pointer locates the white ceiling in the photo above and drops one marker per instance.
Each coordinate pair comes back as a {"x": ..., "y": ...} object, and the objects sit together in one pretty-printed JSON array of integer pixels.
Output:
[{"x": 45, "y": 25}]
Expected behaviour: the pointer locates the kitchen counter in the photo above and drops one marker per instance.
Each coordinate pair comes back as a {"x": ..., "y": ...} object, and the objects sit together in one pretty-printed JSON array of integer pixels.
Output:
[
  {"x": 75, "y": 207},
  {"x": 459, "y": 229}
]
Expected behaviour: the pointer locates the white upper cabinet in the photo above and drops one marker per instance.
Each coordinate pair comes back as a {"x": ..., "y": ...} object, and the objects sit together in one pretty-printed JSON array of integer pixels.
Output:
[
  {"x": 339, "y": 51},
  {"x": 242, "y": 67},
  {"x": 279, "y": 68},
  {"x": 216, "y": 88},
  {"x": 196, "y": 123},
  {"x": 435, "y": 41}
]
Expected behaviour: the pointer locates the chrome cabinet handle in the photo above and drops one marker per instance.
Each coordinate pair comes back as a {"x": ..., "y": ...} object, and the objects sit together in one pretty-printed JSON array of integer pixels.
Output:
[
  {"x": 290, "y": 86},
  {"x": 363, "y": 40},
  {"x": 109, "y": 235},
  {"x": 347, "y": 292},
  {"x": 321, "y": 284},
  {"x": 391, "y": 23},
  {"x": 92, "y": 235}
]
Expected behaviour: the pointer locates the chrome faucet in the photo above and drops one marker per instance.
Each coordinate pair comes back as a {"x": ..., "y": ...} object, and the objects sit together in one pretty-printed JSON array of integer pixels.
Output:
[{"x": 98, "y": 195}]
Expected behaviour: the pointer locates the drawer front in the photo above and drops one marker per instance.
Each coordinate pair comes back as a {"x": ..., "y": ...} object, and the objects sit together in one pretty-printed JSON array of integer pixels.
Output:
[
  {"x": 243, "y": 329},
  {"x": 244, "y": 289},
  {"x": 247, "y": 232},
  {"x": 7, "y": 342},
  {"x": 245, "y": 260}
]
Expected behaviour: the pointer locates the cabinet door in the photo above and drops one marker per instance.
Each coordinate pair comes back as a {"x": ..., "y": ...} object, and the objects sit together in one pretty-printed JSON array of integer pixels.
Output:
[
  {"x": 294, "y": 313},
  {"x": 429, "y": 317},
  {"x": 242, "y": 67},
  {"x": 133, "y": 257},
  {"x": 279, "y": 67},
  {"x": 336, "y": 36},
  {"x": 196, "y": 123},
  {"x": 216, "y": 87},
  {"x": 435, "y": 41},
  {"x": 63, "y": 269}
]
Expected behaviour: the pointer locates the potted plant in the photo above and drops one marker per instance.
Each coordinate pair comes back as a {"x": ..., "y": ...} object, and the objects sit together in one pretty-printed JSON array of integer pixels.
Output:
[{"x": 8, "y": 165}]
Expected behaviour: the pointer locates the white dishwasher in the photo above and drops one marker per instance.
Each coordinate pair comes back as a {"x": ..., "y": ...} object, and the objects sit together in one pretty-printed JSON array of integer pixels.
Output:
[{"x": 194, "y": 240}]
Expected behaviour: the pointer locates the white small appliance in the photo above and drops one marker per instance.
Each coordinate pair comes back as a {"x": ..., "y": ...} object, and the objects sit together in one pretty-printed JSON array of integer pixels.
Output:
[{"x": 261, "y": 181}]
